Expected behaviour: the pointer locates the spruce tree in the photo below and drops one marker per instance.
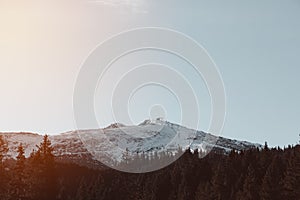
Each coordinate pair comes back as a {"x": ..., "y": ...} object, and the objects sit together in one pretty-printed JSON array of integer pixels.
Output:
[
  {"x": 3, "y": 174},
  {"x": 18, "y": 186},
  {"x": 43, "y": 171},
  {"x": 250, "y": 187},
  {"x": 3, "y": 149},
  {"x": 219, "y": 183},
  {"x": 292, "y": 175},
  {"x": 271, "y": 187}
]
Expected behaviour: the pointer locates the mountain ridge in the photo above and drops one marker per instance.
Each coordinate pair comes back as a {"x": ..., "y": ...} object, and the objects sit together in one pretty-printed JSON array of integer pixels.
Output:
[{"x": 109, "y": 143}]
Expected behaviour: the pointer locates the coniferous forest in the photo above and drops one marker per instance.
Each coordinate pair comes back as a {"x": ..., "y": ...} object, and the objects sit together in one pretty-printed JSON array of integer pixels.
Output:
[{"x": 252, "y": 174}]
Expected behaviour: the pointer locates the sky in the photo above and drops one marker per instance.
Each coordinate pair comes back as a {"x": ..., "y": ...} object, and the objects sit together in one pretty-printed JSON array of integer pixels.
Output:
[{"x": 255, "y": 45}]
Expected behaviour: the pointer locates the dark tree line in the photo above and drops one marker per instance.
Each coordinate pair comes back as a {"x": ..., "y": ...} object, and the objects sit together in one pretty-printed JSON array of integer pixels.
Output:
[
  {"x": 251, "y": 174},
  {"x": 31, "y": 178}
]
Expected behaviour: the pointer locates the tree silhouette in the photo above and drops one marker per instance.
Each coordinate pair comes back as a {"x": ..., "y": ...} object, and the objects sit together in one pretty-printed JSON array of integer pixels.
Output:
[
  {"x": 271, "y": 183},
  {"x": 3, "y": 149},
  {"x": 249, "y": 174},
  {"x": 292, "y": 175},
  {"x": 3, "y": 174},
  {"x": 250, "y": 187},
  {"x": 44, "y": 179},
  {"x": 18, "y": 186}
]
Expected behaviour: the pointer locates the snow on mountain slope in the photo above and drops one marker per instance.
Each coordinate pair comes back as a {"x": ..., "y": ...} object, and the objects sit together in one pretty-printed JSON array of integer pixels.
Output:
[
  {"x": 28, "y": 140},
  {"x": 109, "y": 144}
]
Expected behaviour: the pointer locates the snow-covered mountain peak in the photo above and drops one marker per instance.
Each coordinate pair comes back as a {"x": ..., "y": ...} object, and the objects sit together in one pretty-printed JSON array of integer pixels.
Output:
[
  {"x": 110, "y": 143},
  {"x": 115, "y": 125},
  {"x": 157, "y": 121}
]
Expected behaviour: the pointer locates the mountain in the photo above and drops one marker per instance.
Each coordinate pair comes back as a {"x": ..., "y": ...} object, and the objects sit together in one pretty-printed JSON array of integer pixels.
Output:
[{"x": 108, "y": 145}]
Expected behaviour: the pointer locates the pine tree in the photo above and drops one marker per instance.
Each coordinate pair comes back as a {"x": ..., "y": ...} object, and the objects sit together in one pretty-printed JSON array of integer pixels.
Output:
[
  {"x": 20, "y": 165},
  {"x": 43, "y": 179},
  {"x": 3, "y": 149},
  {"x": 219, "y": 183},
  {"x": 46, "y": 152},
  {"x": 250, "y": 187},
  {"x": 18, "y": 184},
  {"x": 3, "y": 174},
  {"x": 292, "y": 175},
  {"x": 271, "y": 187}
]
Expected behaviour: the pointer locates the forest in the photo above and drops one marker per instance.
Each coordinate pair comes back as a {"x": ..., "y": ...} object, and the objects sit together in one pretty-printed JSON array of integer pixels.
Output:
[{"x": 267, "y": 173}]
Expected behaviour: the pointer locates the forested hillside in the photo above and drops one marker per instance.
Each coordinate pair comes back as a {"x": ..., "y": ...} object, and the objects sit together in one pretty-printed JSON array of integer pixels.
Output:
[{"x": 251, "y": 174}]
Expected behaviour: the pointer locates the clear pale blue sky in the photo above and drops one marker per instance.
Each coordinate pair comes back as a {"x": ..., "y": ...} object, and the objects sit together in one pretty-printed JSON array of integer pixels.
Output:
[{"x": 255, "y": 44}]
